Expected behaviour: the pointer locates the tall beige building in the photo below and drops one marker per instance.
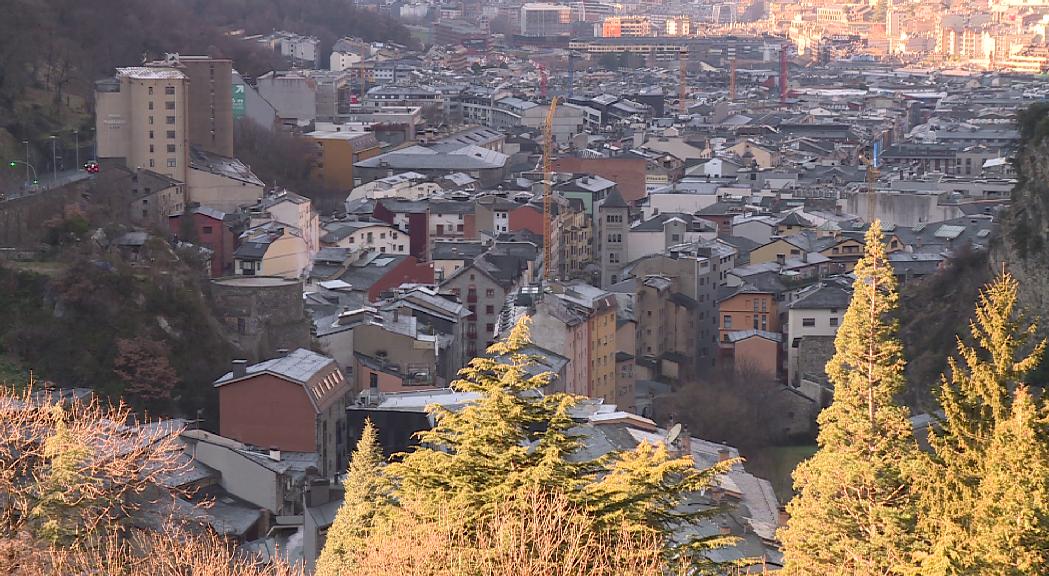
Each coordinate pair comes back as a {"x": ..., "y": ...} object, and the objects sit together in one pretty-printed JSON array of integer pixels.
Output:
[
  {"x": 210, "y": 102},
  {"x": 141, "y": 115}
]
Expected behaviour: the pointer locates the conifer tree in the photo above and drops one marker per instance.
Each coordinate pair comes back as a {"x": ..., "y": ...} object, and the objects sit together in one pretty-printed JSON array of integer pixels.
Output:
[
  {"x": 854, "y": 511},
  {"x": 367, "y": 493},
  {"x": 514, "y": 438},
  {"x": 1010, "y": 525},
  {"x": 976, "y": 396}
]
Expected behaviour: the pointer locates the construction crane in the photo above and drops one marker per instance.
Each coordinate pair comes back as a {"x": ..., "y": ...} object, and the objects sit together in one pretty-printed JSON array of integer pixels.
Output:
[
  {"x": 682, "y": 81},
  {"x": 732, "y": 80},
  {"x": 548, "y": 200}
]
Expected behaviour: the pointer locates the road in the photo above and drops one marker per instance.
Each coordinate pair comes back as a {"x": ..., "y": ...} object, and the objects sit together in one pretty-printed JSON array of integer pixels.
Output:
[{"x": 64, "y": 178}]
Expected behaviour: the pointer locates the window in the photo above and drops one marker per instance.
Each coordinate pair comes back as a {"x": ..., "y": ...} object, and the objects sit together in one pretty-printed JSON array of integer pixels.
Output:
[
  {"x": 150, "y": 148},
  {"x": 613, "y": 258},
  {"x": 169, "y": 120},
  {"x": 373, "y": 380},
  {"x": 675, "y": 237},
  {"x": 150, "y": 90},
  {"x": 206, "y": 230},
  {"x": 171, "y": 163},
  {"x": 150, "y": 106},
  {"x": 400, "y": 247},
  {"x": 152, "y": 164},
  {"x": 764, "y": 305},
  {"x": 382, "y": 235},
  {"x": 393, "y": 235},
  {"x": 833, "y": 321},
  {"x": 459, "y": 228},
  {"x": 756, "y": 305},
  {"x": 755, "y": 321},
  {"x": 490, "y": 293},
  {"x": 382, "y": 249},
  {"x": 370, "y": 238},
  {"x": 489, "y": 328},
  {"x": 808, "y": 321},
  {"x": 615, "y": 237},
  {"x": 728, "y": 322},
  {"x": 150, "y": 120},
  {"x": 169, "y": 90},
  {"x": 169, "y": 105},
  {"x": 171, "y": 134},
  {"x": 764, "y": 322},
  {"x": 614, "y": 218},
  {"x": 171, "y": 148}
]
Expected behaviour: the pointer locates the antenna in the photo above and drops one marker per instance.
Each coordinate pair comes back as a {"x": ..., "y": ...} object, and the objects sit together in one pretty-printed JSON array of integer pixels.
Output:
[{"x": 675, "y": 432}]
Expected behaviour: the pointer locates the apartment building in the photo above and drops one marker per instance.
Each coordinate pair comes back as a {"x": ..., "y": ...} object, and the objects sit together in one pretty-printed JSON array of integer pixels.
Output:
[{"x": 142, "y": 117}]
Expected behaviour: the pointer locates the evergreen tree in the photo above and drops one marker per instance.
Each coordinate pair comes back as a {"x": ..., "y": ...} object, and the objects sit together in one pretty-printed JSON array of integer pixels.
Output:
[
  {"x": 516, "y": 439},
  {"x": 367, "y": 493},
  {"x": 976, "y": 396},
  {"x": 1011, "y": 519},
  {"x": 63, "y": 492},
  {"x": 854, "y": 511}
]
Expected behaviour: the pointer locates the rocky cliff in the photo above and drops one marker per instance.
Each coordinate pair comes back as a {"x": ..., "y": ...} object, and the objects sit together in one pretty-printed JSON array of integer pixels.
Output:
[{"x": 1024, "y": 245}]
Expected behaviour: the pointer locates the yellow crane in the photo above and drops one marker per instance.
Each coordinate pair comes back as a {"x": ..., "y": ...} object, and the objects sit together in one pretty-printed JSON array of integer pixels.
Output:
[{"x": 548, "y": 147}]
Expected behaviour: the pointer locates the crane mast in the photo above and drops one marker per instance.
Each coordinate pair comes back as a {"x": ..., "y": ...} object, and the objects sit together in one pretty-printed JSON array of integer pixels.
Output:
[{"x": 548, "y": 146}]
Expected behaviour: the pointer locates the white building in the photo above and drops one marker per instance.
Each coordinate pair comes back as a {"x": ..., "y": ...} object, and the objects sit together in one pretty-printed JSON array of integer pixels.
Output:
[
  {"x": 541, "y": 19},
  {"x": 812, "y": 323}
]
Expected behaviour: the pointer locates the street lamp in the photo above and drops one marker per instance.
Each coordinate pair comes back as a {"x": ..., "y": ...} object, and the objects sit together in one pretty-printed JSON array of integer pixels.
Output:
[
  {"x": 26, "y": 142},
  {"x": 76, "y": 136},
  {"x": 54, "y": 161}
]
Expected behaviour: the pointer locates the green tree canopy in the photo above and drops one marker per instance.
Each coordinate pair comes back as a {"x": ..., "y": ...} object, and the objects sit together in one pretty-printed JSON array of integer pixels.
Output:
[
  {"x": 515, "y": 439},
  {"x": 855, "y": 508},
  {"x": 977, "y": 399}
]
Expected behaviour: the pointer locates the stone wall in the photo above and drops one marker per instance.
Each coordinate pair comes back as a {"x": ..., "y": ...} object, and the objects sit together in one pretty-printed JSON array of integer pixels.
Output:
[{"x": 261, "y": 315}]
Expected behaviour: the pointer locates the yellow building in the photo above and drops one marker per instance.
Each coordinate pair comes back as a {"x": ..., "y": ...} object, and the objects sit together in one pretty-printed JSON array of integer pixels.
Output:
[
  {"x": 336, "y": 153},
  {"x": 601, "y": 326}
]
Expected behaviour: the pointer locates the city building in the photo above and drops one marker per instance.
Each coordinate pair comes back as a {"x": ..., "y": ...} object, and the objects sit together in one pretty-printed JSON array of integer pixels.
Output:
[
  {"x": 142, "y": 117},
  {"x": 295, "y": 402}
]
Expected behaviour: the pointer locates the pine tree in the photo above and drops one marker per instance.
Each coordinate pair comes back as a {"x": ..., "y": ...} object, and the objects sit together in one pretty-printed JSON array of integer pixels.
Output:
[
  {"x": 516, "y": 439},
  {"x": 63, "y": 491},
  {"x": 976, "y": 396},
  {"x": 1010, "y": 525},
  {"x": 854, "y": 510},
  {"x": 367, "y": 494}
]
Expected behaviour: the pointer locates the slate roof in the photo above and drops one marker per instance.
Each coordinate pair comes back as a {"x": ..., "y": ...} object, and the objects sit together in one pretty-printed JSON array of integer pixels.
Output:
[
  {"x": 823, "y": 297},
  {"x": 614, "y": 200},
  {"x": 298, "y": 366}
]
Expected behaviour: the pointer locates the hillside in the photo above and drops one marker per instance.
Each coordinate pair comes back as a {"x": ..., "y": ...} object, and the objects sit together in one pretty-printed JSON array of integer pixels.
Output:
[
  {"x": 52, "y": 51},
  {"x": 1024, "y": 249},
  {"x": 85, "y": 313}
]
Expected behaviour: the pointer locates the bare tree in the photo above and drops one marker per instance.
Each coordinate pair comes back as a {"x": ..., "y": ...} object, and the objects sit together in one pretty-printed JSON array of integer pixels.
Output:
[{"x": 738, "y": 405}]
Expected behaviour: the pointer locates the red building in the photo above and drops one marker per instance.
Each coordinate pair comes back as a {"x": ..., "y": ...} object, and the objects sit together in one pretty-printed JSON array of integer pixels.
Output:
[
  {"x": 628, "y": 172},
  {"x": 404, "y": 270},
  {"x": 295, "y": 403},
  {"x": 526, "y": 217},
  {"x": 210, "y": 230}
]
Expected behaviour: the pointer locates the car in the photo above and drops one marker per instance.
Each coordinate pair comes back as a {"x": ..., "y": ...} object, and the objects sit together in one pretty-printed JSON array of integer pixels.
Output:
[{"x": 92, "y": 167}]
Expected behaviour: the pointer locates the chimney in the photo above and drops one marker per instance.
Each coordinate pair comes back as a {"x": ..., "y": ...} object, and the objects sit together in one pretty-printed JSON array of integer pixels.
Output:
[
  {"x": 685, "y": 441},
  {"x": 725, "y": 530},
  {"x": 805, "y": 257},
  {"x": 274, "y": 454},
  {"x": 723, "y": 454},
  {"x": 282, "y": 352},
  {"x": 396, "y": 315},
  {"x": 781, "y": 259},
  {"x": 240, "y": 368}
]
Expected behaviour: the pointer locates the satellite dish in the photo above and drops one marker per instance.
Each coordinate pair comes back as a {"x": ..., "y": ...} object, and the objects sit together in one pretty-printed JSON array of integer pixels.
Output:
[{"x": 675, "y": 431}]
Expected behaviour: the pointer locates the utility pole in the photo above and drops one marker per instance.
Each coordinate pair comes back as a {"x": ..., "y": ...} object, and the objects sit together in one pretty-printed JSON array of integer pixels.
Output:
[
  {"x": 27, "y": 180},
  {"x": 76, "y": 136}
]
